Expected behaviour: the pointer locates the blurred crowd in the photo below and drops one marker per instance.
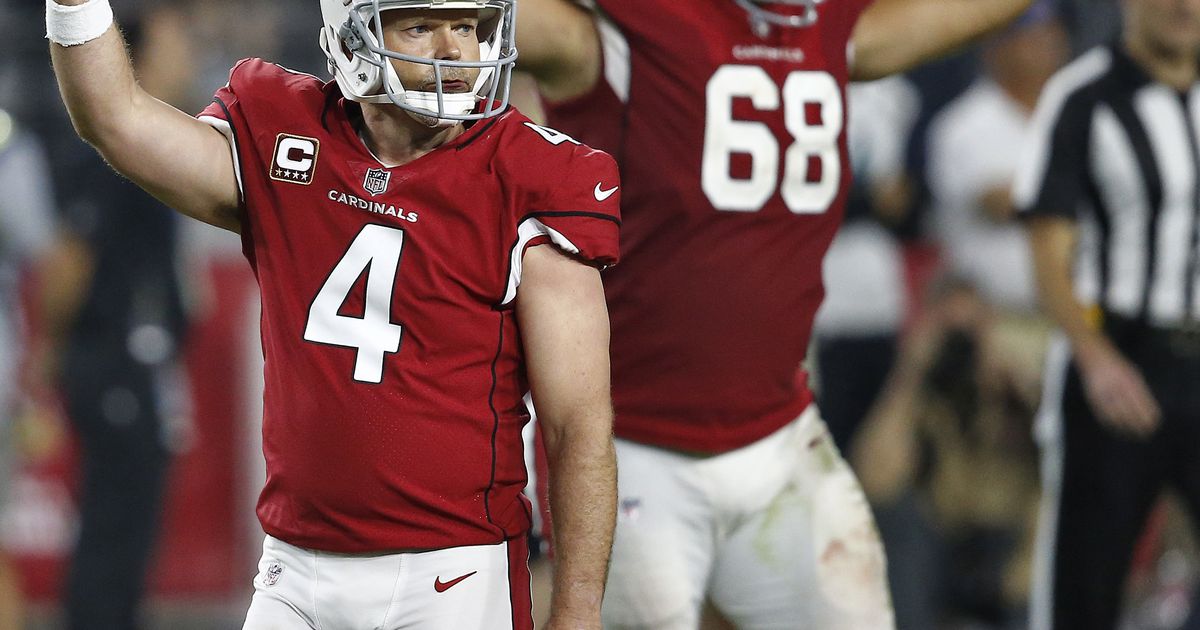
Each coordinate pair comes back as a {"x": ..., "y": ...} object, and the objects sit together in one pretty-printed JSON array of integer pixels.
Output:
[{"x": 928, "y": 356}]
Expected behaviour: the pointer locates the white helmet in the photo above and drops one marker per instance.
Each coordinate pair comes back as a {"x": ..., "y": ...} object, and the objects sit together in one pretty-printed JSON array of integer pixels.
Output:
[
  {"x": 352, "y": 39},
  {"x": 763, "y": 19}
]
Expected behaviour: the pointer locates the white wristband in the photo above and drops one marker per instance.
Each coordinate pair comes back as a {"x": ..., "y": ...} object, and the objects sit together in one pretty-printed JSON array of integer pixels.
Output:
[{"x": 78, "y": 24}]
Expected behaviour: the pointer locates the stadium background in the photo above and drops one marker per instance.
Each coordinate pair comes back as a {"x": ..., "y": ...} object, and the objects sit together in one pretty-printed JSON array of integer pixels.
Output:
[{"x": 210, "y": 540}]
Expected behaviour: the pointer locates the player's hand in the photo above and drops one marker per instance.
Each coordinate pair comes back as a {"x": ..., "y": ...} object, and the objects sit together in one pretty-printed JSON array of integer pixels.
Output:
[{"x": 1116, "y": 390}]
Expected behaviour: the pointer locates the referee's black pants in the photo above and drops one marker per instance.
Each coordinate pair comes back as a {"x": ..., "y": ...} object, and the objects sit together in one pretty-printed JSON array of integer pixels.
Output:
[
  {"x": 1110, "y": 481},
  {"x": 113, "y": 406}
]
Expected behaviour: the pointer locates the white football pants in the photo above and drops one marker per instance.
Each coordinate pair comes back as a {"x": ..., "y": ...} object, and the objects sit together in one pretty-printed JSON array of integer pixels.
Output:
[
  {"x": 777, "y": 533},
  {"x": 484, "y": 587}
]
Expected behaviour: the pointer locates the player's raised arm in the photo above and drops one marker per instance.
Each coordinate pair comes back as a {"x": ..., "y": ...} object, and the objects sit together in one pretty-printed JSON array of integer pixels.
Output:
[
  {"x": 564, "y": 326},
  {"x": 178, "y": 159},
  {"x": 894, "y": 36},
  {"x": 559, "y": 46}
]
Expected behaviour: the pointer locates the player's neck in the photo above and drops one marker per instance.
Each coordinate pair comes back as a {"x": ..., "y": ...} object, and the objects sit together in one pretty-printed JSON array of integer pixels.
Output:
[{"x": 396, "y": 138}]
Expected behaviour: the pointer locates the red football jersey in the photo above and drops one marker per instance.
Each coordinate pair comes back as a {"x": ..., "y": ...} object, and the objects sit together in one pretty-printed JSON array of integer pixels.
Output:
[
  {"x": 394, "y": 370},
  {"x": 732, "y": 150}
]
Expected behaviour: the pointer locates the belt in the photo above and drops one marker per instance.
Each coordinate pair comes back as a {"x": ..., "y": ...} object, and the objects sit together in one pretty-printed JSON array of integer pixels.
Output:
[
  {"x": 1184, "y": 339},
  {"x": 1179, "y": 339}
]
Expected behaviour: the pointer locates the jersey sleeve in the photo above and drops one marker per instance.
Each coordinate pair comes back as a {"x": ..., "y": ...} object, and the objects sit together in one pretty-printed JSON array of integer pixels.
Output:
[
  {"x": 225, "y": 114},
  {"x": 1052, "y": 174},
  {"x": 260, "y": 98},
  {"x": 566, "y": 194},
  {"x": 574, "y": 195}
]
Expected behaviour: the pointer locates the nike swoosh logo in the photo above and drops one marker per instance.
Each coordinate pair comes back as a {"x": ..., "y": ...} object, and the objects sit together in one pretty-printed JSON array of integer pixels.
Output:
[
  {"x": 602, "y": 194},
  {"x": 442, "y": 587}
]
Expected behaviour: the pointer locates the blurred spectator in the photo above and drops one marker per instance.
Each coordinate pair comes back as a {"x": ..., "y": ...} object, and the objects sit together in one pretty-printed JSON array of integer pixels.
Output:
[
  {"x": 26, "y": 220},
  {"x": 974, "y": 147},
  {"x": 116, "y": 326},
  {"x": 1110, "y": 187},
  {"x": 950, "y": 437},
  {"x": 865, "y": 301}
]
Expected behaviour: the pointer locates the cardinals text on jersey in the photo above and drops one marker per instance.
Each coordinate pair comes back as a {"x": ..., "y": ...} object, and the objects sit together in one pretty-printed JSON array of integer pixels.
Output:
[
  {"x": 394, "y": 374},
  {"x": 730, "y": 202}
]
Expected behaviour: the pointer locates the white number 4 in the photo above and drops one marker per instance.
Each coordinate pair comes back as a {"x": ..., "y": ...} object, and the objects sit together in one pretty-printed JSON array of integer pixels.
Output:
[
  {"x": 553, "y": 136},
  {"x": 374, "y": 335}
]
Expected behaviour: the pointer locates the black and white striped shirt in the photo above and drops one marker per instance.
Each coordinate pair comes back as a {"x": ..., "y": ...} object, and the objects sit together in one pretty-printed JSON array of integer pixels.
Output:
[{"x": 1119, "y": 152}]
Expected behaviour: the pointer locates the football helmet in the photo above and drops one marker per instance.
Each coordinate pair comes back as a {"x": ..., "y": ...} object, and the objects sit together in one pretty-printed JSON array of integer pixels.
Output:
[
  {"x": 352, "y": 39},
  {"x": 762, "y": 18}
]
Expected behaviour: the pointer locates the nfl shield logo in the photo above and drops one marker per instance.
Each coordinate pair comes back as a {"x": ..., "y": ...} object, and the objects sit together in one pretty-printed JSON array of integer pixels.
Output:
[
  {"x": 376, "y": 181},
  {"x": 273, "y": 573}
]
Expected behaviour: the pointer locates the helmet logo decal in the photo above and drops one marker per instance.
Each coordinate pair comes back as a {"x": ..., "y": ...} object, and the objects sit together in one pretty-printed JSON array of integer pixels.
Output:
[
  {"x": 376, "y": 180},
  {"x": 295, "y": 159}
]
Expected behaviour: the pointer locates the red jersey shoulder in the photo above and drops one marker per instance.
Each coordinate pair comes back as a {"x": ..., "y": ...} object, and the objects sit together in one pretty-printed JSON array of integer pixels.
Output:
[
  {"x": 850, "y": 12},
  {"x": 855, "y": 8},
  {"x": 559, "y": 187},
  {"x": 553, "y": 171},
  {"x": 265, "y": 86}
]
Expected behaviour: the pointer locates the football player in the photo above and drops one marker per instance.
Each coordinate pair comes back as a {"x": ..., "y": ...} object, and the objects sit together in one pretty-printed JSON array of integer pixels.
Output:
[
  {"x": 425, "y": 254},
  {"x": 727, "y": 118}
]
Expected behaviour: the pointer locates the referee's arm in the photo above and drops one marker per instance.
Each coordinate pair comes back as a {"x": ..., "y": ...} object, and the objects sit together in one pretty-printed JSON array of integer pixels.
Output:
[
  {"x": 1116, "y": 390},
  {"x": 1048, "y": 188}
]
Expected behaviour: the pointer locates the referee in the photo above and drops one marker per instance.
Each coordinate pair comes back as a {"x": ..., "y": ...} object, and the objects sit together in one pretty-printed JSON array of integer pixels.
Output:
[{"x": 1110, "y": 186}]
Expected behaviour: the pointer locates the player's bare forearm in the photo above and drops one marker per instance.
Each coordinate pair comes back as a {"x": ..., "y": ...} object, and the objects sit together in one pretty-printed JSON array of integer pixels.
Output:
[
  {"x": 583, "y": 497},
  {"x": 559, "y": 46},
  {"x": 894, "y": 36},
  {"x": 178, "y": 159},
  {"x": 564, "y": 327}
]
